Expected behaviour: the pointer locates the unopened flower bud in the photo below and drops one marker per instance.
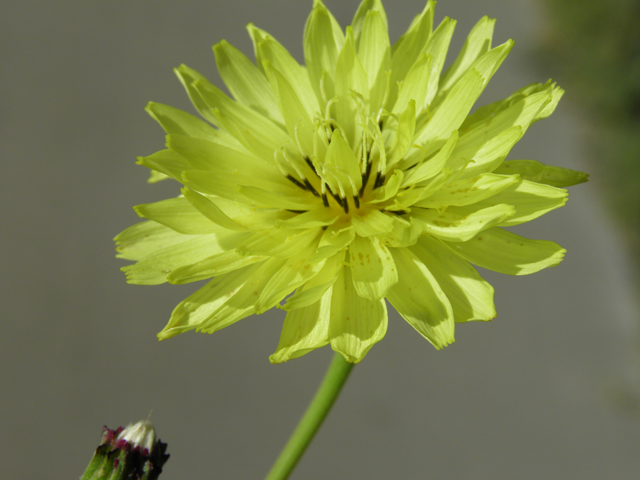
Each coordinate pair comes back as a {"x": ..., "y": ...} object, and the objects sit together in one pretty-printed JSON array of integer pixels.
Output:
[{"x": 131, "y": 453}]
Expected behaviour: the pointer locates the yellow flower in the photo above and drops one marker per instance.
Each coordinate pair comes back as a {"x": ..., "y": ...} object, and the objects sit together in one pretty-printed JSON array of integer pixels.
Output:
[{"x": 359, "y": 177}]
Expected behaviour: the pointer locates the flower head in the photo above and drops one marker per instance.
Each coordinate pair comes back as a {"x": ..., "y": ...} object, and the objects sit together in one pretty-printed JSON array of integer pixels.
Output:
[{"x": 360, "y": 177}]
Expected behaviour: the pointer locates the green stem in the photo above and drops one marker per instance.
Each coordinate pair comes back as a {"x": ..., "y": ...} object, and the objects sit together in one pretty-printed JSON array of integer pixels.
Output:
[{"x": 326, "y": 395}]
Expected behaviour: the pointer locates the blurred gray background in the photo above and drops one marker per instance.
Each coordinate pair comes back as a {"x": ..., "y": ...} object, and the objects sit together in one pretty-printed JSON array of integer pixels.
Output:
[{"x": 540, "y": 392}]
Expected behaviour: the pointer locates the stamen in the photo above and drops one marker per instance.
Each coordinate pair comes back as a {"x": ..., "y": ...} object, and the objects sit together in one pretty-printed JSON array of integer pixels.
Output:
[
  {"x": 297, "y": 183},
  {"x": 365, "y": 178},
  {"x": 345, "y": 205},
  {"x": 356, "y": 201},
  {"x": 325, "y": 200},
  {"x": 310, "y": 187},
  {"x": 336, "y": 197},
  {"x": 380, "y": 178},
  {"x": 311, "y": 166},
  {"x": 297, "y": 211},
  {"x": 292, "y": 162}
]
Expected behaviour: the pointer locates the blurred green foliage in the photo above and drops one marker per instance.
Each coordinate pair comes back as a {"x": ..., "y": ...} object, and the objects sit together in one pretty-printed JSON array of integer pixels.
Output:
[{"x": 594, "y": 48}]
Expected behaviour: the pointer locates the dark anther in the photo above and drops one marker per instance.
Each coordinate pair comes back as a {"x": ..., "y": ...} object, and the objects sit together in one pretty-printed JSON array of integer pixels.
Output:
[
  {"x": 325, "y": 227},
  {"x": 310, "y": 163},
  {"x": 356, "y": 201},
  {"x": 336, "y": 197},
  {"x": 397, "y": 212},
  {"x": 297, "y": 211},
  {"x": 380, "y": 124},
  {"x": 296, "y": 182},
  {"x": 345, "y": 205},
  {"x": 325, "y": 200},
  {"x": 310, "y": 187},
  {"x": 365, "y": 178},
  {"x": 379, "y": 180}
]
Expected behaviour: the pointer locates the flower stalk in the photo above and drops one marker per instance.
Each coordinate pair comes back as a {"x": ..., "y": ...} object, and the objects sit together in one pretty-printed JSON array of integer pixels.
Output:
[{"x": 318, "y": 409}]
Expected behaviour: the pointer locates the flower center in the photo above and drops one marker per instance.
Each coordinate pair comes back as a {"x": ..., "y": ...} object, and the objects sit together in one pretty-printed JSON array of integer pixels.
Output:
[{"x": 342, "y": 172}]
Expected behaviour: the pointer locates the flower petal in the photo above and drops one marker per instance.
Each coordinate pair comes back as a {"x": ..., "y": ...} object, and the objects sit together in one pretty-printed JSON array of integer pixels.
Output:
[
  {"x": 374, "y": 52},
  {"x": 296, "y": 118},
  {"x": 356, "y": 323},
  {"x": 372, "y": 267},
  {"x": 144, "y": 238},
  {"x": 323, "y": 40},
  {"x": 389, "y": 189},
  {"x": 297, "y": 270},
  {"x": 304, "y": 330},
  {"x": 176, "y": 122},
  {"x": 334, "y": 239},
  {"x": 188, "y": 76},
  {"x": 205, "y": 155},
  {"x": 409, "y": 47},
  {"x": 415, "y": 85},
  {"x": 179, "y": 215},
  {"x": 404, "y": 135},
  {"x": 242, "y": 303},
  {"x": 420, "y": 300},
  {"x": 431, "y": 167},
  {"x": 405, "y": 232},
  {"x": 342, "y": 164},
  {"x": 448, "y": 117},
  {"x": 275, "y": 242},
  {"x": 313, "y": 290},
  {"x": 469, "y": 190},
  {"x": 437, "y": 48},
  {"x": 359, "y": 23},
  {"x": 257, "y": 133},
  {"x": 210, "y": 210},
  {"x": 530, "y": 199},
  {"x": 155, "y": 268},
  {"x": 471, "y": 296},
  {"x": 410, "y": 196},
  {"x": 245, "y": 81},
  {"x": 267, "y": 48},
  {"x": 209, "y": 183},
  {"x": 489, "y": 156},
  {"x": 213, "y": 266},
  {"x": 373, "y": 223},
  {"x": 165, "y": 162},
  {"x": 198, "y": 307},
  {"x": 317, "y": 217},
  {"x": 505, "y": 252},
  {"x": 271, "y": 198},
  {"x": 540, "y": 173},
  {"x": 351, "y": 80},
  {"x": 478, "y": 43},
  {"x": 521, "y": 114},
  {"x": 459, "y": 224},
  {"x": 455, "y": 107},
  {"x": 524, "y": 115}
]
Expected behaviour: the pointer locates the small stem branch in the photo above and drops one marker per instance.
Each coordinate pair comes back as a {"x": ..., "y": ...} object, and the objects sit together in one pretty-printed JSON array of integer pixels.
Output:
[{"x": 326, "y": 395}]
